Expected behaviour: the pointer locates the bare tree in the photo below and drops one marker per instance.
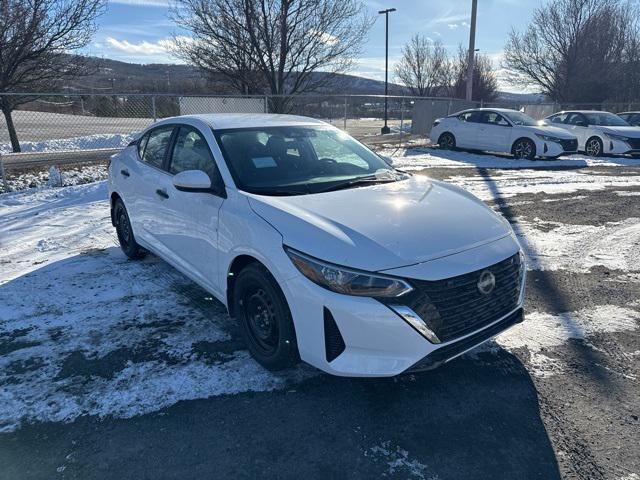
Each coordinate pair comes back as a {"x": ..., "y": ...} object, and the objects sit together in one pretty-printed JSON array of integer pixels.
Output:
[
  {"x": 36, "y": 38},
  {"x": 424, "y": 67},
  {"x": 576, "y": 50},
  {"x": 485, "y": 83},
  {"x": 272, "y": 46}
]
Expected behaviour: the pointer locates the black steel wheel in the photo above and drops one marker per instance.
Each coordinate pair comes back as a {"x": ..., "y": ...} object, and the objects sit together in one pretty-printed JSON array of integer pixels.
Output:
[
  {"x": 127, "y": 241},
  {"x": 265, "y": 318}
]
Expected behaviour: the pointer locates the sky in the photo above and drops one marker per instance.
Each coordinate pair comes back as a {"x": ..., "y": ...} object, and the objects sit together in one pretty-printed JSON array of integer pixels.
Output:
[{"x": 139, "y": 30}]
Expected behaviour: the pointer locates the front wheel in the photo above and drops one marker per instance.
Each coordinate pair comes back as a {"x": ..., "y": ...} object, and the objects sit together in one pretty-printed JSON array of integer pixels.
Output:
[
  {"x": 127, "y": 241},
  {"x": 447, "y": 141},
  {"x": 267, "y": 326},
  {"x": 593, "y": 147},
  {"x": 524, "y": 149}
]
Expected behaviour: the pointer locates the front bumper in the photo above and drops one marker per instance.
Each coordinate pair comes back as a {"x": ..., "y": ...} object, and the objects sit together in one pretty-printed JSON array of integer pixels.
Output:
[
  {"x": 620, "y": 147},
  {"x": 555, "y": 149},
  {"x": 374, "y": 340}
]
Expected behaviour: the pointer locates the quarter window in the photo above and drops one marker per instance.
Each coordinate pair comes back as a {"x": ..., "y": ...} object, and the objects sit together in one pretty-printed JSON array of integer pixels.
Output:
[{"x": 156, "y": 146}]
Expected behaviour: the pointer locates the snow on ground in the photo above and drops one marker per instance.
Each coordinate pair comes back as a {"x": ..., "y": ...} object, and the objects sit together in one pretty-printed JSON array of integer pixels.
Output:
[
  {"x": 69, "y": 298},
  {"x": 542, "y": 331},
  {"x": 89, "y": 142},
  {"x": 428, "y": 157},
  {"x": 71, "y": 303},
  {"x": 578, "y": 248},
  {"x": 399, "y": 462}
]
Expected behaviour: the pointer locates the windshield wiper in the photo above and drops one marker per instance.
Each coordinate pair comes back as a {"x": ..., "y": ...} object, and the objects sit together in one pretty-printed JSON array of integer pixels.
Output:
[
  {"x": 279, "y": 192},
  {"x": 368, "y": 180}
]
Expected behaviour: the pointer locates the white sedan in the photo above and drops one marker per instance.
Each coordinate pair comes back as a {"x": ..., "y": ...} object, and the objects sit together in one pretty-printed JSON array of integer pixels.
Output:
[
  {"x": 599, "y": 132},
  {"x": 318, "y": 247},
  {"x": 502, "y": 130}
]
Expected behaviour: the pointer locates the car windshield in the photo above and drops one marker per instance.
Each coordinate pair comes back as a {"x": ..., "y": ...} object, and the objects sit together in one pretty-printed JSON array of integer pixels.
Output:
[
  {"x": 520, "y": 119},
  {"x": 295, "y": 160},
  {"x": 605, "y": 119}
]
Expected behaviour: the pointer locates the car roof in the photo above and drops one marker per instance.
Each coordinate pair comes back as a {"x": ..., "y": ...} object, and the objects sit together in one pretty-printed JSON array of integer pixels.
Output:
[
  {"x": 221, "y": 121},
  {"x": 488, "y": 109},
  {"x": 631, "y": 112},
  {"x": 582, "y": 111}
]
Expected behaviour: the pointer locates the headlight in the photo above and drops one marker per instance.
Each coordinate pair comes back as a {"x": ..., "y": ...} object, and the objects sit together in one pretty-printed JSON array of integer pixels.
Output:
[
  {"x": 613, "y": 136},
  {"x": 346, "y": 281},
  {"x": 548, "y": 138}
]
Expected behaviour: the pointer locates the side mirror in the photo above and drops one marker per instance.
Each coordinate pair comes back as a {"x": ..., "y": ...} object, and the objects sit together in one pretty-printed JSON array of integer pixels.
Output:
[{"x": 192, "y": 181}]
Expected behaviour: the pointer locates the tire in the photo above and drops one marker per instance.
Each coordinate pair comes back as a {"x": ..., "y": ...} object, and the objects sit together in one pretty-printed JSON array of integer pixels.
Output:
[
  {"x": 593, "y": 147},
  {"x": 127, "y": 241},
  {"x": 524, "y": 149},
  {"x": 447, "y": 141},
  {"x": 265, "y": 318}
]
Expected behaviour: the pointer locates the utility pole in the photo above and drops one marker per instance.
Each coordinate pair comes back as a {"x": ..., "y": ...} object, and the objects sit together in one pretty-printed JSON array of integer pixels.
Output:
[
  {"x": 472, "y": 49},
  {"x": 384, "y": 130}
]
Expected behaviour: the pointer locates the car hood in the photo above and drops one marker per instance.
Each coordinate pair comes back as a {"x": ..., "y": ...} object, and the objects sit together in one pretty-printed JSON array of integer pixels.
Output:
[
  {"x": 553, "y": 131},
  {"x": 627, "y": 131},
  {"x": 383, "y": 226}
]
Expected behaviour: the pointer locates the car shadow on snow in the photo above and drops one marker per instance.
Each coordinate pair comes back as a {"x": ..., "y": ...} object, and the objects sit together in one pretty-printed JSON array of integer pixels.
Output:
[{"x": 128, "y": 369}]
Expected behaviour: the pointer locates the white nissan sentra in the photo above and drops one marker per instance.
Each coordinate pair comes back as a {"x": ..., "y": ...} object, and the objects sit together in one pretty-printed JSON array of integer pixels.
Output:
[
  {"x": 502, "y": 130},
  {"x": 319, "y": 248}
]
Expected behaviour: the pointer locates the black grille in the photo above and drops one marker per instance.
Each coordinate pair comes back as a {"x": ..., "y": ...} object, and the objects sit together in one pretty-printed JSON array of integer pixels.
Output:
[
  {"x": 333, "y": 341},
  {"x": 569, "y": 145},
  {"x": 455, "y": 306},
  {"x": 634, "y": 143},
  {"x": 441, "y": 355}
]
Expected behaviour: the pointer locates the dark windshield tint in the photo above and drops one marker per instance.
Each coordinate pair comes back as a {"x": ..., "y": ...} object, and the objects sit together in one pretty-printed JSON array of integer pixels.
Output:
[
  {"x": 276, "y": 160},
  {"x": 605, "y": 119}
]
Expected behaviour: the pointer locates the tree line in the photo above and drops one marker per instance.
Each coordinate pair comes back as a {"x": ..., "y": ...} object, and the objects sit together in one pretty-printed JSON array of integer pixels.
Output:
[{"x": 579, "y": 51}]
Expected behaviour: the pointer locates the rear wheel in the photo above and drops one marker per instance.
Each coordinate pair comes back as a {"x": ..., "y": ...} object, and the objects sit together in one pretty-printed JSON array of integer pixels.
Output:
[
  {"x": 267, "y": 326},
  {"x": 447, "y": 141},
  {"x": 593, "y": 147},
  {"x": 127, "y": 241},
  {"x": 524, "y": 149}
]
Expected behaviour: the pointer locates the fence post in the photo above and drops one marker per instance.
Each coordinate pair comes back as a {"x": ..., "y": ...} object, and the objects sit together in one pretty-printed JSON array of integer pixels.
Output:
[
  {"x": 266, "y": 104},
  {"x": 5, "y": 183},
  {"x": 401, "y": 120},
  {"x": 449, "y": 107},
  {"x": 345, "y": 112},
  {"x": 482, "y": 103},
  {"x": 153, "y": 108}
]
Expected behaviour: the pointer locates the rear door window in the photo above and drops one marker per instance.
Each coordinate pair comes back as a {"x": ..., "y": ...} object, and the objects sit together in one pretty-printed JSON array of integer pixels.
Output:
[
  {"x": 155, "y": 150},
  {"x": 473, "y": 117}
]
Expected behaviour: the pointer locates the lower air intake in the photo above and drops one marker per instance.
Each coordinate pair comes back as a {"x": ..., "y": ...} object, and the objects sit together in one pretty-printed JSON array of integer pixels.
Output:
[{"x": 333, "y": 341}]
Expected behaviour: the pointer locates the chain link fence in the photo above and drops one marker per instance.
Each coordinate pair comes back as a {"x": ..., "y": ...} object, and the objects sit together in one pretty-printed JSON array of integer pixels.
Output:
[{"x": 77, "y": 129}]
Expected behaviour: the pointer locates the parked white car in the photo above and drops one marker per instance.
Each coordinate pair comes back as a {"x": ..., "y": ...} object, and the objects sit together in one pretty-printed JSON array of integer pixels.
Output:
[
  {"x": 318, "y": 247},
  {"x": 598, "y": 132},
  {"x": 632, "y": 118},
  {"x": 502, "y": 130}
]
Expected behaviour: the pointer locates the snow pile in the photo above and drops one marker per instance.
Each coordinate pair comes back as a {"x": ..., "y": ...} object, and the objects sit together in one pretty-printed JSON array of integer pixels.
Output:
[
  {"x": 55, "y": 177},
  {"x": 89, "y": 142},
  {"x": 70, "y": 176}
]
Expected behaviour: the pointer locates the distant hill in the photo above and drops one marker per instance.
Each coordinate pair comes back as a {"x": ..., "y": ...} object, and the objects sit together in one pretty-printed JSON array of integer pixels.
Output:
[{"x": 122, "y": 77}]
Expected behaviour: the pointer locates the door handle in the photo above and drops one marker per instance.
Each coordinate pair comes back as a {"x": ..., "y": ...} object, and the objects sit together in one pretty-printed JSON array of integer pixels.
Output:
[
  {"x": 124, "y": 172},
  {"x": 162, "y": 193}
]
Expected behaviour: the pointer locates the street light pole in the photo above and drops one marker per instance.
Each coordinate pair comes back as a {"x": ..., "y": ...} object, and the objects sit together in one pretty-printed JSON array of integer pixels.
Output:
[
  {"x": 472, "y": 49},
  {"x": 384, "y": 130}
]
